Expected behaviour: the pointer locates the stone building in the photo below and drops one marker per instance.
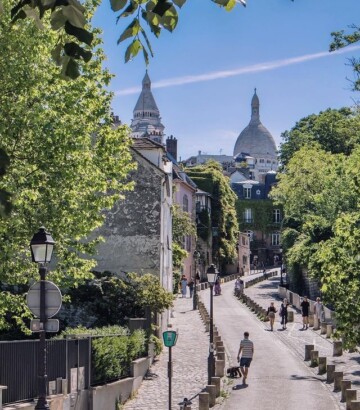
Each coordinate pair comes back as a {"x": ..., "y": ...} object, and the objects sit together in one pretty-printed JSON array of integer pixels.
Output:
[{"x": 138, "y": 229}]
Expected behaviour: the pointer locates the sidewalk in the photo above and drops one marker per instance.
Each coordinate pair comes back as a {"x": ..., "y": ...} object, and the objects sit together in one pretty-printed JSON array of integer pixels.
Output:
[{"x": 189, "y": 364}]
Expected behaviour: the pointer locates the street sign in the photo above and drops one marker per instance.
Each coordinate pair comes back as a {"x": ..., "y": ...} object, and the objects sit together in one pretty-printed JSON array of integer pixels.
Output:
[
  {"x": 53, "y": 299},
  {"x": 51, "y": 325}
]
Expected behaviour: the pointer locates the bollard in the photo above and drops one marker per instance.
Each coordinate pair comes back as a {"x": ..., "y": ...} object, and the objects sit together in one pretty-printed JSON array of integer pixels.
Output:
[
  {"x": 345, "y": 385},
  {"x": 323, "y": 328},
  {"x": 316, "y": 323},
  {"x": 338, "y": 376},
  {"x": 314, "y": 358},
  {"x": 220, "y": 356},
  {"x": 211, "y": 389},
  {"x": 204, "y": 401},
  {"x": 329, "y": 330},
  {"x": 207, "y": 326},
  {"x": 216, "y": 382},
  {"x": 219, "y": 368},
  {"x": 308, "y": 349},
  {"x": 330, "y": 369},
  {"x": 351, "y": 394},
  {"x": 290, "y": 316},
  {"x": 311, "y": 319},
  {"x": 337, "y": 349},
  {"x": 355, "y": 405},
  {"x": 322, "y": 365}
]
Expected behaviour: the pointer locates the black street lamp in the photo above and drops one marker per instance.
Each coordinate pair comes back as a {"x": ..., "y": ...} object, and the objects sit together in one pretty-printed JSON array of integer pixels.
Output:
[
  {"x": 211, "y": 277},
  {"x": 42, "y": 245},
  {"x": 282, "y": 268},
  {"x": 196, "y": 256}
]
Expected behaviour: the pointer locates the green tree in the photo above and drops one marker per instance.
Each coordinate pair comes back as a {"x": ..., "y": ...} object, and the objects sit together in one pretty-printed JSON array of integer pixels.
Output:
[
  {"x": 67, "y": 163},
  {"x": 210, "y": 178},
  {"x": 336, "y": 131},
  {"x": 320, "y": 196}
]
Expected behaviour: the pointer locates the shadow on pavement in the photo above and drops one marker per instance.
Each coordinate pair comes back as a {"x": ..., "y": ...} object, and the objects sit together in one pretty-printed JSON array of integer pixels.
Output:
[
  {"x": 309, "y": 378},
  {"x": 240, "y": 387}
]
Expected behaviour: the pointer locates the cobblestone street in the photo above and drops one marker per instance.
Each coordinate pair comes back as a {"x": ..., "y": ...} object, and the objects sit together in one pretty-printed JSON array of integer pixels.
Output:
[{"x": 189, "y": 364}]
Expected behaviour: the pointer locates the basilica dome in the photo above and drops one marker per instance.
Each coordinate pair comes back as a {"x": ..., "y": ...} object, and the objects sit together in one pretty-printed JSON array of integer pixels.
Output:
[{"x": 255, "y": 140}]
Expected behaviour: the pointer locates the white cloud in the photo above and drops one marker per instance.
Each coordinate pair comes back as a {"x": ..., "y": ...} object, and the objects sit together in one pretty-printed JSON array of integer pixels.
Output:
[{"x": 255, "y": 68}]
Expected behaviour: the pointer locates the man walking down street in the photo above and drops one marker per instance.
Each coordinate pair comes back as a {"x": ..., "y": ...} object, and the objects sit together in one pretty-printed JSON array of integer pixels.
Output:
[{"x": 247, "y": 352}]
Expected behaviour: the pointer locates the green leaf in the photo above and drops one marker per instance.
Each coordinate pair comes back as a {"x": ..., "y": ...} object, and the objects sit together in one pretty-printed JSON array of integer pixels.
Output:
[
  {"x": 147, "y": 41},
  {"x": 82, "y": 35},
  {"x": 146, "y": 55},
  {"x": 56, "y": 54},
  {"x": 72, "y": 69},
  {"x": 33, "y": 14},
  {"x": 179, "y": 3},
  {"x": 130, "y": 9},
  {"x": 161, "y": 7},
  {"x": 231, "y": 4},
  {"x": 57, "y": 19},
  {"x": 133, "y": 50},
  {"x": 170, "y": 19},
  {"x": 73, "y": 50},
  {"x": 132, "y": 30},
  {"x": 117, "y": 5},
  {"x": 19, "y": 16},
  {"x": 75, "y": 16}
]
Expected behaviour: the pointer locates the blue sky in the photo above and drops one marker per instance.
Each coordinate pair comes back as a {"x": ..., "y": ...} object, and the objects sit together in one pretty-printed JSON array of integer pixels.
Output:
[{"x": 205, "y": 72}]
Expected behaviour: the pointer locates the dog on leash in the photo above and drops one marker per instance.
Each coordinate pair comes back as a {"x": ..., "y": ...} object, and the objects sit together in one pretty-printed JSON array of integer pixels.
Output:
[{"x": 233, "y": 371}]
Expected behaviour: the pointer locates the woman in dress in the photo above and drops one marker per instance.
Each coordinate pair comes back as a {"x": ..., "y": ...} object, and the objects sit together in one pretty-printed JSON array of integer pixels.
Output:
[
  {"x": 183, "y": 284},
  {"x": 271, "y": 315}
]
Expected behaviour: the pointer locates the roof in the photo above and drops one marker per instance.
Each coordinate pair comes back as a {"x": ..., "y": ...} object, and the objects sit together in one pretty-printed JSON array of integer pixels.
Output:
[
  {"x": 146, "y": 101},
  {"x": 146, "y": 143},
  {"x": 255, "y": 139}
]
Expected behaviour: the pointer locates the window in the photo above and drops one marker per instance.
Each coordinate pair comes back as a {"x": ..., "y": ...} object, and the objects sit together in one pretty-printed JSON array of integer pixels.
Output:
[
  {"x": 275, "y": 239},
  {"x": 248, "y": 215},
  {"x": 247, "y": 193},
  {"x": 268, "y": 161},
  {"x": 185, "y": 203},
  {"x": 276, "y": 216},
  {"x": 261, "y": 160}
]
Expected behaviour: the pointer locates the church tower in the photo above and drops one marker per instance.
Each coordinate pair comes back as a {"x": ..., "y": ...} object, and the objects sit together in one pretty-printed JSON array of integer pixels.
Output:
[
  {"x": 257, "y": 142},
  {"x": 146, "y": 122}
]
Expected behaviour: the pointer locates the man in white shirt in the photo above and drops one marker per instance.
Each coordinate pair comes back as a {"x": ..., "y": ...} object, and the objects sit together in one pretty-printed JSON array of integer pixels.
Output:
[{"x": 247, "y": 353}]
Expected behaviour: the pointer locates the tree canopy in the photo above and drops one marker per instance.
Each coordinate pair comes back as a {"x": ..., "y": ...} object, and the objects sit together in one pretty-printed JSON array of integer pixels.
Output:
[
  {"x": 67, "y": 162},
  {"x": 337, "y": 131},
  {"x": 319, "y": 192}
]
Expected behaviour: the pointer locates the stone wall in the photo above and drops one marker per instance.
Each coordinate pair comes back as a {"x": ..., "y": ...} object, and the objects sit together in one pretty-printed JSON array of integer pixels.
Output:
[{"x": 132, "y": 228}]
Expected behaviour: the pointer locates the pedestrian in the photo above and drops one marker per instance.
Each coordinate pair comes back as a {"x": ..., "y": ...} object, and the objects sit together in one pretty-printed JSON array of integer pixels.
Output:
[
  {"x": 217, "y": 287},
  {"x": 183, "y": 284},
  {"x": 318, "y": 312},
  {"x": 237, "y": 289},
  {"x": 191, "y": 287},
  {"x": 305, "y": 305},
  {"x": 271, "y": 315},
  {"x": 247, "y": 353},
  {"x": 283, "y": 313}
]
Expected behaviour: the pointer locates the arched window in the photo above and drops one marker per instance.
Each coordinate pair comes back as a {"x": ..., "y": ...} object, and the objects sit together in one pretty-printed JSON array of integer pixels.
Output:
[{"x": 185, "y": 203}]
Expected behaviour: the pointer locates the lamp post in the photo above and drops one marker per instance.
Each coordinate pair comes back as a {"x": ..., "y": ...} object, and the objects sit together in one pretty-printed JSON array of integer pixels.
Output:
[
  {"x": 42, "y": 245},
  {"x": 211, "y": 277},
  {"x": 170, "y": 338},
  {"x": 196, "y": 256},
  {"x": 281, "y": 268}
]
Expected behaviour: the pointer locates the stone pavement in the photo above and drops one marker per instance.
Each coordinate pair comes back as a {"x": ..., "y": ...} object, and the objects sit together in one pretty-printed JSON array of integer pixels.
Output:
[{"x": 189, "y": 364}]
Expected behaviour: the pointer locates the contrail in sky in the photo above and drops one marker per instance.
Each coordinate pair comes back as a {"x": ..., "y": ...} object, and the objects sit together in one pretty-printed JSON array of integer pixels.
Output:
[{"x": 255, "y": 68}]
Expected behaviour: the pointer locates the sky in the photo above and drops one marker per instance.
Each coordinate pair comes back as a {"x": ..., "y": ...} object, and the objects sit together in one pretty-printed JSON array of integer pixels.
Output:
[{"x": 204, "y": 73}]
